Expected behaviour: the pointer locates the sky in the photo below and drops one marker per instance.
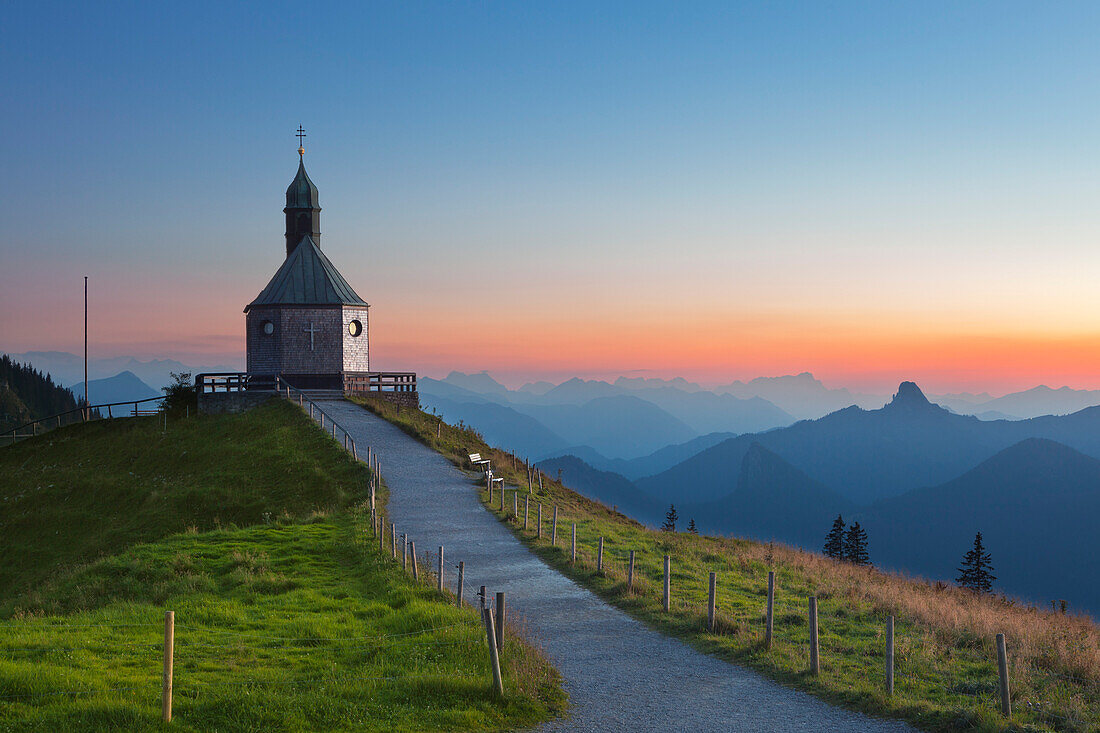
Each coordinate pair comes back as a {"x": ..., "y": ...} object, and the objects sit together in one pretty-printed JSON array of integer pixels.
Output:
[{"x": 867, "y": 191}]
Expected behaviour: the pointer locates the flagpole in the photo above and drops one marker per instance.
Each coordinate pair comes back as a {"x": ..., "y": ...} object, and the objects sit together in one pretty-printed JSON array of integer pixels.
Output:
[{"x": 86, "y": 402}]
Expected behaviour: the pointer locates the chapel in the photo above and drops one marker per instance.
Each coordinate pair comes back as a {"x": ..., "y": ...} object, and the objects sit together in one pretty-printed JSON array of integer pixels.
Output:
[{"x": 308, "y": 325}]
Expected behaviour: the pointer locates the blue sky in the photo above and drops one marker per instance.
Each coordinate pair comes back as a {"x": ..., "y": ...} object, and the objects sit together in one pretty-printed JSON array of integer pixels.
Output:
[{"x": 776, "y": 168}]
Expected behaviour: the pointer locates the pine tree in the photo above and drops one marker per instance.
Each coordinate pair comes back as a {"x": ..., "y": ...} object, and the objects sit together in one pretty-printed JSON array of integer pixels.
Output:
[
  {"x": 670, "y": 519},
  {"x": 855, "y": 546},
  {"x": 834, "y": 541},
  {"x": 976, "y": 572},
  {"x": 691, "y": 526}
]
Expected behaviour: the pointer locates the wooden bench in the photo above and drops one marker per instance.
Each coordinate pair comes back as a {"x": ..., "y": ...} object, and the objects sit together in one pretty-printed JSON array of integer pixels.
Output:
[{"x": 477, "y": 460}]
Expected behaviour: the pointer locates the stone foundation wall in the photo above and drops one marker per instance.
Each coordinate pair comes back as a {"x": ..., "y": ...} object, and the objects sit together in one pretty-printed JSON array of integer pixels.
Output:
[
  {"x": 220, "y": 403},
  {"x": 404, "y": 399}
]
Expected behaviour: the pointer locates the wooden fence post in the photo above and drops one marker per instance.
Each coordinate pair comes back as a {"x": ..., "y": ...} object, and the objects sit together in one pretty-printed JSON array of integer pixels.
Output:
[
  {"x": 630, "y": 574},
  {"x": 440, "y": 584},
  {"x": 500, "y": 621},
  {"x": 502, "y": 493},
  {"x": 599, "y": 558},
  {"x": 461, "y": 581},
  {"x": 540, "y": 520},
  {"x": 668, "y": 583},
  {"x": 770, "y": 624},
  {"x": 393, "y": 540},
  {"x": 482, "y": 595},
  {"x": 494, "y": 657},
  {"x": 540, "y": 480},
  {"x": 815, "y": 660},
  {"x": 573, "y": 555},
  {"x": 489, "y": 480},
  {"x": 711, "y": 600},
  {"x": 889, "y": 655},
  {"x": 554, "y": 533},
  {"x": 412, "y": 549},
  {"x": 515, "y": 503},
  {"x": 526, "y": 509},
  {"x": 169, "y": 655},
  {"x": 1002, "y": 671},
  {"x": 404, "y": 551}
]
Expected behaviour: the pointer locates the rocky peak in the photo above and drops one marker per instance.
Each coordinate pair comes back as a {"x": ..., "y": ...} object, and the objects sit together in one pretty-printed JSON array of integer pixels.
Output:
[{"x": 909, "y": 397}]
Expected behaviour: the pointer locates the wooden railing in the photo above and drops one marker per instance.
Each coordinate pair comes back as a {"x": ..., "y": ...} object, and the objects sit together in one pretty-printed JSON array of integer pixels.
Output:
[
  {"x": 380, "y": 382},
  {"x": 86, "y": 413},
  {"x": 222, "y": 382}
]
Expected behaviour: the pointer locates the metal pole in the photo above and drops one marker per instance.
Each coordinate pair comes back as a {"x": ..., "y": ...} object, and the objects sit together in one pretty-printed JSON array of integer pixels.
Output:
[{"x": 86, "y": 400}]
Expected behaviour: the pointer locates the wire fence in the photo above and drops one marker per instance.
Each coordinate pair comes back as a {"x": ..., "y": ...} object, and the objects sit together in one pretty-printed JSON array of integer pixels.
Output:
[{"x": 1043, "y": 695}]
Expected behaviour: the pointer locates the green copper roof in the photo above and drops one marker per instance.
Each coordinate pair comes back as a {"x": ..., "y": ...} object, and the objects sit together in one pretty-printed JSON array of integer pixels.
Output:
[
  {"x": 301, "y": 193},
  {"x": 307, "y": 278}
]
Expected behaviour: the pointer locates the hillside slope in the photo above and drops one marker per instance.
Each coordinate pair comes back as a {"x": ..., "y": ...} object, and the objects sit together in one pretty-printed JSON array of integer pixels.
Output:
[{"x": 251, "y": 528}]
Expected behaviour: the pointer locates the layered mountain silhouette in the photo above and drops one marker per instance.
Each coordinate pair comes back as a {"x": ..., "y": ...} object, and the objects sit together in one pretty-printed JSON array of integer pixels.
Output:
[
  {"x": 609, "y": 488},
  {"x": 800, "y": 395},
  {"x": 619, "y": 426},
  {"x": 867, "y": 455},
  {"x": 655, "y": 462},
  {"x": 769, "y": 499},
  {"x": 601, "y": 422}
]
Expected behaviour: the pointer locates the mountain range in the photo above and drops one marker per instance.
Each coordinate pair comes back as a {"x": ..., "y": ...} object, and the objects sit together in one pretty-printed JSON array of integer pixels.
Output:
[
  {"x": 67, "y": 368},
  {"x": 920, "y": 478},
  {"x": 617, "y": 422},
  {"x": 866, "y": 455}
]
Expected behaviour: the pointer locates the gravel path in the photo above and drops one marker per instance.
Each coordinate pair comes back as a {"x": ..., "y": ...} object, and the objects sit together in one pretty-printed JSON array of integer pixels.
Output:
[{"x": 620, "y": 675}]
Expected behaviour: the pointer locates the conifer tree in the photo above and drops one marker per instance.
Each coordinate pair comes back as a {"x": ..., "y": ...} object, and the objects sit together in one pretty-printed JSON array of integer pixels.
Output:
[
  {"x": 691, "y": 526},
  {"x": 855, "y": 546},
  {"x": 670, "y": 519},
  {"x": 834, "y": 541},
  {"x": 976, "y": 572}
]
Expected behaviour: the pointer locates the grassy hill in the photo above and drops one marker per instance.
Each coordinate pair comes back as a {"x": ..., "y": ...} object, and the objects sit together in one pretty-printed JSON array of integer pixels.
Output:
[
  {"x": 945, "y": 658},
  {"x": 251, "y": 529}
]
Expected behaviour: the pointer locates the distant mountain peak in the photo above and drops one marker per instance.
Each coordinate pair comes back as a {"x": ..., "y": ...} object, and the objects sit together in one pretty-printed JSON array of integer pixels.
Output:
[{"x": 909, "y": 397}]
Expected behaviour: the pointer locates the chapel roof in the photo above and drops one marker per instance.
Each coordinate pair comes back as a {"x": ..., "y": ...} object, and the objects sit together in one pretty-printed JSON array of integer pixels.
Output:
[
  {"x": 301, "y": 193},
  {"x": 307, "y": 277}
]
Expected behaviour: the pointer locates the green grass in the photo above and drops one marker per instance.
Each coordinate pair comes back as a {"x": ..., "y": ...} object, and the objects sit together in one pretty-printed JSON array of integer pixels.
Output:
[
  {"x": 251, "y": 528},
  {"x": 945, "y": 659}
]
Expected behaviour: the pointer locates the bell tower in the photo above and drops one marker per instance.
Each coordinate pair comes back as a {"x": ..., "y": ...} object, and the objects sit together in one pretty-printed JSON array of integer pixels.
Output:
[{"x": 303, "y": 210}]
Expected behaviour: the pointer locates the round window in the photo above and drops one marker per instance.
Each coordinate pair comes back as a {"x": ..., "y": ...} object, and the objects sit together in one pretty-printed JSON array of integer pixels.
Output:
[
  {"x": 268, "y": 327},
  {"x": 355, "y": 328}
]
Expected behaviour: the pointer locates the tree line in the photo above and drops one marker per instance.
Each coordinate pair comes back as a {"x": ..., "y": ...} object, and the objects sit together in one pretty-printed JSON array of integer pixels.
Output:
[
  {"x": 29, "y": 394},
  {"x": 850, "y": 544}
]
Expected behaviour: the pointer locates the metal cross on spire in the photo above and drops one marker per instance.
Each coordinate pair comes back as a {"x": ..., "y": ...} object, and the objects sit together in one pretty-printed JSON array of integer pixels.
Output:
[{"x": 301, "y": 134}]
